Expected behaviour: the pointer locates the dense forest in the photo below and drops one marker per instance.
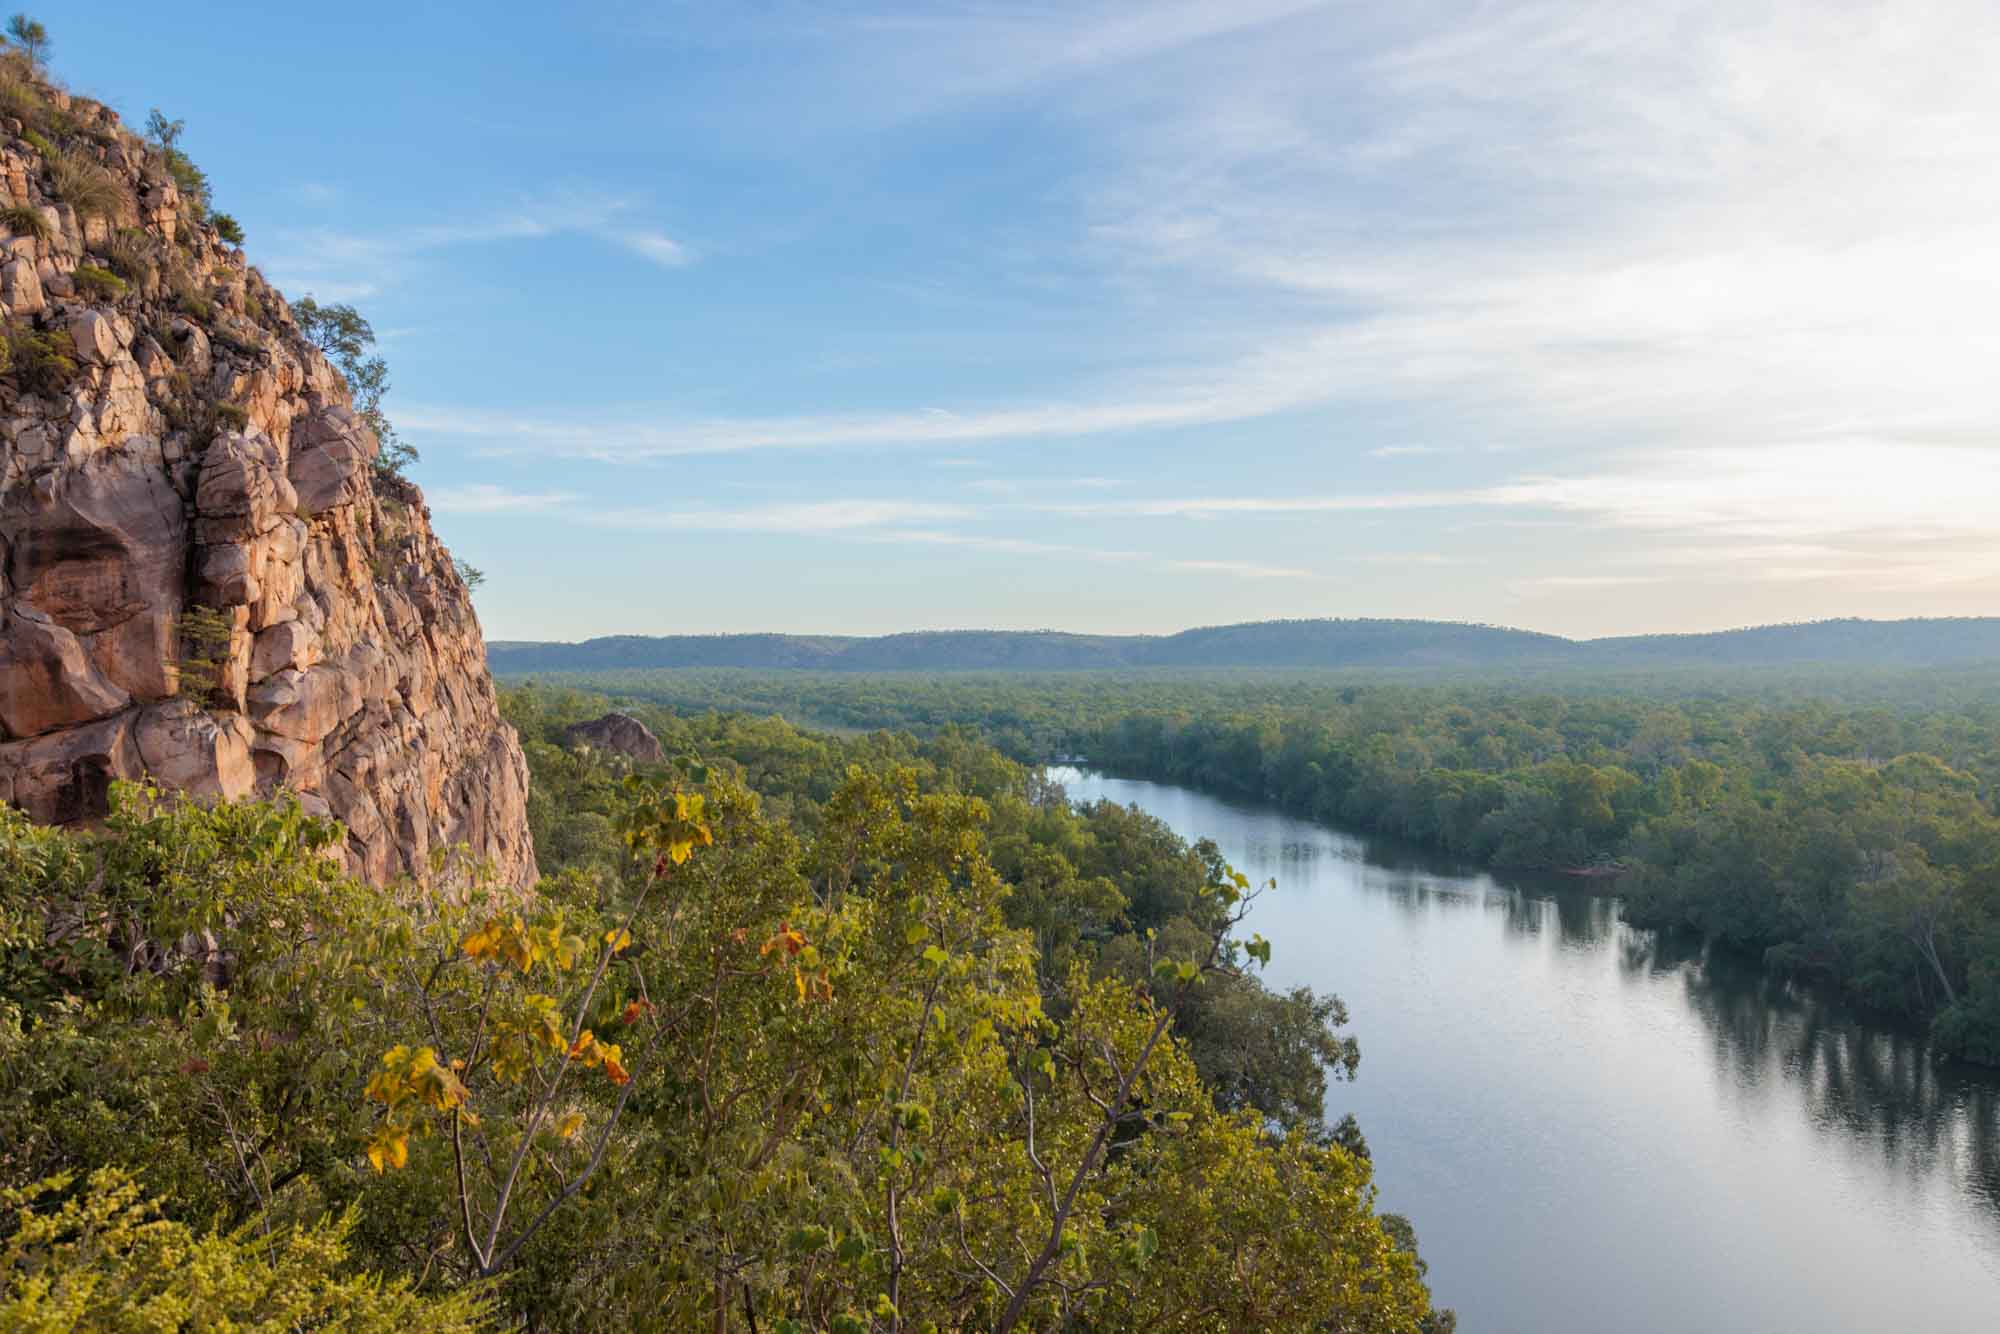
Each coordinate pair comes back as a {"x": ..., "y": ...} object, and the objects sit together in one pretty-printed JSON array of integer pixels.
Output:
[
  {"x": 797, "y": 1032},
  {"x": 1841, "y": 825},
  {"x": 1265, "y": 645}
]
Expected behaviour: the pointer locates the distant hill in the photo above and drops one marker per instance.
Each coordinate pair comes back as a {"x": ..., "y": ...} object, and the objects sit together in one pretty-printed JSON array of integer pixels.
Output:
[
  {"x": 1292, "y": 644},
  {"x": 1940, "y": 642},
  {"x": 1260, "y": 644}
]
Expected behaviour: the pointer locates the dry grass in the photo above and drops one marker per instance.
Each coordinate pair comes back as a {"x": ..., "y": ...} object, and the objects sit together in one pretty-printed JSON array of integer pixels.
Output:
[
  {"x": 20, "y": 99},
  {"x": 86, "y": 185},
  {"x": 25, "y": 221},
  {"x": 132, "y": 257}
]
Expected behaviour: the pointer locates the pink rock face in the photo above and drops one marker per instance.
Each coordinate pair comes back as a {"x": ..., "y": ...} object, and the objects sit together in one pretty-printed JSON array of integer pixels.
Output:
[
  {"x": 229, "y": 602},
  {"x": 46, "y": 680}
]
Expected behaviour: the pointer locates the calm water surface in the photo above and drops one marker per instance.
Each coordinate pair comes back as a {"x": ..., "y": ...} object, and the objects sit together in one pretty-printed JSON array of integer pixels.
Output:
[{"x": 1594, "y": 1128}]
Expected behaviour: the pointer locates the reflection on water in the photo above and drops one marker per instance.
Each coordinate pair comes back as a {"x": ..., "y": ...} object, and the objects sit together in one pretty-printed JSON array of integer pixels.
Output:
[
  {"x": 1875, "y": 1086},
  {"x": 1706, "y": 1146}
]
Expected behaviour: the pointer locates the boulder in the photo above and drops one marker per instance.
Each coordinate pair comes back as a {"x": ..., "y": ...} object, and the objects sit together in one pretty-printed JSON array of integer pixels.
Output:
[
  {"x": 289, "y": 644},
  {"x": 332, "y": 451},
  {"x": 620, "y": 733},
  {"x": 199, "y": 753},
  {"x": 96, "y": 337},
  {"x": 302, "y": 705},
  {"x": 47, "y": 681},
  {"x": 21, "y": 288}
]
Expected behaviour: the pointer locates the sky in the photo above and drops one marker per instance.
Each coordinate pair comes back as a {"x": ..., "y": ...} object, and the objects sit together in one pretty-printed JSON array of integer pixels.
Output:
[{"x": 862, "y": 317}]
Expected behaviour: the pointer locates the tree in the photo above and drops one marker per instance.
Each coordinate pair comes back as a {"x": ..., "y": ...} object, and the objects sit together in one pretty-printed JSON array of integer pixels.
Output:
[
  {"x": 738, "y": 1074},
  {"x": 97, "y": 1254},
  {"x": 166, "y": 133},
  {"x": 340, "y": 331},
  {"x": 190, "y": 179},
  {"x": 31, "y": 37},
  {"x": 226, "y": 227}
]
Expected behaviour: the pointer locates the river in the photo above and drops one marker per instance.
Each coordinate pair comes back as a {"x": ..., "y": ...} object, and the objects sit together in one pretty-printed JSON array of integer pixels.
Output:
[{"x": 1594, "y": 1127}]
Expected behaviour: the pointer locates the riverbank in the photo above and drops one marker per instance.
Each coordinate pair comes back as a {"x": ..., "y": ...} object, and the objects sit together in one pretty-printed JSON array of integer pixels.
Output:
[{"x": 1644, "y": 1106}]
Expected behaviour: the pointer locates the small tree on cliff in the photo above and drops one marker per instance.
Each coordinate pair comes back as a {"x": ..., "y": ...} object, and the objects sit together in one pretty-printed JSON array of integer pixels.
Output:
[
  {"x": 31, "y": 37},
  {"x": 339, "y": 330}
]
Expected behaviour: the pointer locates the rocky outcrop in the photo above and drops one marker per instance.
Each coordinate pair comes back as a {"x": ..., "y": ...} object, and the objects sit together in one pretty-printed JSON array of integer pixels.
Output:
[
  {"x": 620, "y": 733},
  {"x": 204, "y": 579}
]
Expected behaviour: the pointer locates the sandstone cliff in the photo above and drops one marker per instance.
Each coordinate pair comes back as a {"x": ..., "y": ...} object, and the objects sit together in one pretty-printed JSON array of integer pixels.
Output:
[{"x": 203, "y": 577}]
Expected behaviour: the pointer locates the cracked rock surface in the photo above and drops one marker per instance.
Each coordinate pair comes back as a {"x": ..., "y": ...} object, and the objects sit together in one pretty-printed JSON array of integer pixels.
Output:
[{"x": 203, "y": 578}]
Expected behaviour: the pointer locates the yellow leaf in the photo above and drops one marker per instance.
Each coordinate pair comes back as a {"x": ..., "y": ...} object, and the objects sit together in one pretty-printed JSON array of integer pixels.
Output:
[
  {"x": 390, "y": 1148},
  {"x": 618, "y": 939},
  {"x": 570, "y": 1126}
]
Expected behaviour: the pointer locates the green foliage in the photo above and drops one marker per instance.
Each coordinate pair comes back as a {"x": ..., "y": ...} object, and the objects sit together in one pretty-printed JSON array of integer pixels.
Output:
[
  {"x": 205, "y": 636},
  {"x": 470, "y": 573},
  {"x": 98, "y": 284},
  {"x": 31, "y": 37},
  {"x": 41, "y": 363},
  {"x": 795, "y": 1072},
  {"x": 163, "y": 132},
  {"x": 99, "y": 1256},
  {"x": 340, "y": 332},
  {"x": 1086, "y": 883},
  {"x": 23, "y": 220},
  {"x": 85, "y": 184},
  {"x": 189, "y": 299},
  {"x": 1840, "y": 825},
  {"x": 189, "y": 179},
  {"x": 227, "y": 228}
]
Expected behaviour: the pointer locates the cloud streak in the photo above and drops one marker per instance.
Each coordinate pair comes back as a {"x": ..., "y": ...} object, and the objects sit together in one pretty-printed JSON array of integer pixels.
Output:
[{"x": 344, "y": 265}]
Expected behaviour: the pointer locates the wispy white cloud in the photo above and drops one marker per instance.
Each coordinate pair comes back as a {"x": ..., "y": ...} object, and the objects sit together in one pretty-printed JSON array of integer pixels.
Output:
[
  {"x": 660, "y": 248},
  {"x": 815, "y": 517},
  {"x": 1242, "y": 569},
  {"x": 1885, "y": 515},
  {"x": 906, "y": 523},
  {"x": 1019, "y": 486},
  {"x": 1730, "y": 267},
  {"x": 343, "y": 265},
  {"x": 486, "y": 498}
]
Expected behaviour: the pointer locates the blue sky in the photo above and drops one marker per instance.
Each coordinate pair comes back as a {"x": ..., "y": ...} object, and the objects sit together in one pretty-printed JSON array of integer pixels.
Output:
[{"x": 859, "y": 317}]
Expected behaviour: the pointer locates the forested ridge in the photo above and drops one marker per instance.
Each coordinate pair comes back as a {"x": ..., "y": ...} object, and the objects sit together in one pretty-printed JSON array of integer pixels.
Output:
[
  {"x": 796, "y": 1032},
  {"x": 1840, "y": 825},
  {"x": 1361, "y": 642}
]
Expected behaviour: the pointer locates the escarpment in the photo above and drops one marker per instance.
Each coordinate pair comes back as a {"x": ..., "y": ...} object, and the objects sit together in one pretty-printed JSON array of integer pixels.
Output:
[{"x": 205, "y": 578}]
